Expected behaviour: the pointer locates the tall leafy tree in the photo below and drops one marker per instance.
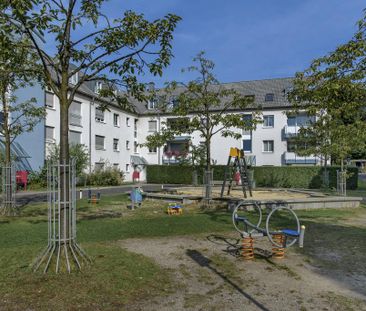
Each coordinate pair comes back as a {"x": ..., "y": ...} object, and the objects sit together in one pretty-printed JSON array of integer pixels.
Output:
[
  {"x": 205, "y": 106},
  {"x": 89, "y": 46},
  {"x": 333, "y": 90},
  {"x": 115, "y": 51},
  {"x": 18, "y": 69}
]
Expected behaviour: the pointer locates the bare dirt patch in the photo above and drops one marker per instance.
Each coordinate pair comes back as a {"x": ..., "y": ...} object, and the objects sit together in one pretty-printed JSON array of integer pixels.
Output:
[{"x": 208, "y": 275}]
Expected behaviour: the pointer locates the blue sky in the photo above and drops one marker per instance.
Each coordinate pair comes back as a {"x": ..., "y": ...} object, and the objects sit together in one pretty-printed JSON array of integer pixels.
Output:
[{"x": 250, "y": 39}]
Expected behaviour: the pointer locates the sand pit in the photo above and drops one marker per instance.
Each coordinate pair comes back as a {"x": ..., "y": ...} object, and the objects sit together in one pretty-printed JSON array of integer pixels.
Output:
[{"x": 237, "y": 193}]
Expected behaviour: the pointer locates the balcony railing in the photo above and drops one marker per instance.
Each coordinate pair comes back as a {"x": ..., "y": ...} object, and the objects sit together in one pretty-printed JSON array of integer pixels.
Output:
[
  {"x": 290, "y": 131},
  {"x": 74, "y": 119},
  {"x": 293, "y": 158},
  {"x": 251, "y": 160}
]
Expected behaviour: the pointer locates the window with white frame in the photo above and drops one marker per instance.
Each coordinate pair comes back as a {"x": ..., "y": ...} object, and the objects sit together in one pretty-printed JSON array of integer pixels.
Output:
[
  {"x": 127, "y": 121},
  {"x": 98, "y": 86},
  {"x": 153, "y": 126},
  {"x": 75, "y": 114},
  {"x": 98, "y": 166},
  {"x": 115, "y": 144},
  {"x": 74, "y": 79},
  {"x": 74, "y": 137},
  {"x": 99, "y": 142},
  {"x": 50, "y": 134},
  {"x": 247, "y": 118},
  {"x": 50, "y": 100},
  {"x": 269, "y": 97},
  {"x": 151, "y": 104},
  {"x": 153, "y": 150},
  {"x": 99, "y": 114},
  {"x": 116, "y": 119},
  {"x": 135, "y": 147},
  {"x": 268, "y": 121},
  {"x": 127, "y": 145},
  {"x": 116, "y": 166},
  {"x": 127, "y": 168},
  {"x": 268, "y": 146}
]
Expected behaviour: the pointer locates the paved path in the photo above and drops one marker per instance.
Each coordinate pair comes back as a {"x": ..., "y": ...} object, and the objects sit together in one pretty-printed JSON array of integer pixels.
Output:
[{"x": 26, "y": 197}]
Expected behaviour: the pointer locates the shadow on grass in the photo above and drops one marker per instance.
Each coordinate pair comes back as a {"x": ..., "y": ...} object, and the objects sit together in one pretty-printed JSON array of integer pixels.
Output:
[{"x": 205, "y": 262}]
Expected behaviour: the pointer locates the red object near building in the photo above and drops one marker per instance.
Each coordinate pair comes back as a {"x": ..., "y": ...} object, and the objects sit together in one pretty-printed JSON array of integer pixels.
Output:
[
  {"x": 22, "y": 179},
  {"x": 237, "y": 178},
  {"x": 136, "y": 176}
]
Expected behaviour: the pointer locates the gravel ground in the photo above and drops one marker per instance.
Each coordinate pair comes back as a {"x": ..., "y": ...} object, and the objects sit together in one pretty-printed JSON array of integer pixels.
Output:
[{"x": 208, "y": 274}]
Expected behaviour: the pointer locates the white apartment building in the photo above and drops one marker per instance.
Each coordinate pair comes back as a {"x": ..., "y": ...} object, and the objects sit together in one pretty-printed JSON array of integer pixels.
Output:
[{"x": 113, "y": 137}]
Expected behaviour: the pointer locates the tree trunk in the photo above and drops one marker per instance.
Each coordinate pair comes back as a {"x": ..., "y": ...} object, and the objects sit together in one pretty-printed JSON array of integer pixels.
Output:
[
  {"x": 7, "y": 169},
  {"x": 208, "y": 176},
  {"x": 64, "y": 170}
]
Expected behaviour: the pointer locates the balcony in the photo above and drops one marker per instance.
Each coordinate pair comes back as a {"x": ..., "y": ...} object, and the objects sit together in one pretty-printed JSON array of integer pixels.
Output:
[
  {"x": 290, "y": 131},
  {"x": 293, "y": 158},
  {"x": 173, "y": 156},
  {"x": 251, "y": 160}
]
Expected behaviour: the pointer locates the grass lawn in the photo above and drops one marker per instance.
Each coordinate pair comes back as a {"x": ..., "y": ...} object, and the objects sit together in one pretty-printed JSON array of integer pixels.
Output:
[{"x": 116, "y": 276}]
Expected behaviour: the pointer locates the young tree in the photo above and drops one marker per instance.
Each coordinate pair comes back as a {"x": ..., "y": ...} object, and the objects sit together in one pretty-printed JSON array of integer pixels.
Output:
[
  {"x": 18, "y": 69},
  {"x": 90, "y": 47},
  {"x": 333, "y": 90},
  {"x": 205, "y": 106}
]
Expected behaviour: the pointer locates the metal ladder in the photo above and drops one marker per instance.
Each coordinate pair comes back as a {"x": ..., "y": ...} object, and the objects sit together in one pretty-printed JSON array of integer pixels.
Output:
[{"x": 231, "y": 168}]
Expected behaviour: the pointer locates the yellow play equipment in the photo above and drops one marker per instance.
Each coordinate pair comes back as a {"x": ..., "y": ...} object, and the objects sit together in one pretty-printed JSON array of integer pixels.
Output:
[
  {"x": 236, "y": 168},
  {"x": 175, "y": 209}
]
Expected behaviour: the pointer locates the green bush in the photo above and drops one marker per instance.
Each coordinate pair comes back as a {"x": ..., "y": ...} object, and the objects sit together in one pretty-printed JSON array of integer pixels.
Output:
[
  {"x": 265, "y": 176},
  {"x": 109, "y": 176}
]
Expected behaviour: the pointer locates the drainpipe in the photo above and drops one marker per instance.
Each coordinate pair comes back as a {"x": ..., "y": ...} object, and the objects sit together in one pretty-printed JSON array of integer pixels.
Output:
[
  {"x": 159, "y": 156},
  {"x": 90, "y": 138}
]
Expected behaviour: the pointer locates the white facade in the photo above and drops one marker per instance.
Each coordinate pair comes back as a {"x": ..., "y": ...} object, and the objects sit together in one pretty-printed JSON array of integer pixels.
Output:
[{"x": 113, "y": 136}]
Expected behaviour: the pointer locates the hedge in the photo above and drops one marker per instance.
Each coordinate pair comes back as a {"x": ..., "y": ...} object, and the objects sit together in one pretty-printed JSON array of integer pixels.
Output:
[{"x": 309, "y": 177}]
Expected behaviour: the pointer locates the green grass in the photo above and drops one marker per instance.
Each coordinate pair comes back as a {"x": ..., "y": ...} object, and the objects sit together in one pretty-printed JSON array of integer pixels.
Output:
[{"x": 117, "y": 276}]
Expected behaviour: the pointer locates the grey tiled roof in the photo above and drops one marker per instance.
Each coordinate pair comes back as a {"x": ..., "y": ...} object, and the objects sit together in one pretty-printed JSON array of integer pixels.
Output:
[{"x": 259, "y": 88}]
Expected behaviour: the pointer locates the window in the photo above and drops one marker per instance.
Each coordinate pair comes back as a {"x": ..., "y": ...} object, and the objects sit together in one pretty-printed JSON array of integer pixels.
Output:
[
  {"x": 74, "y": 79},
  {"x": 153, "y": 150},
  {"x": 127, "y": 121},
  {"x": 291, "y": 146},
  {"x": 116, "y": 166},
  {"x": 291, "y": 121},
  {"x": 116, "y": 119},
  {"x": 151, "y": 104},
  {"x": 268, "y": 121},
  {"x": 75, "y": 114},
  {"x": 247, "y": 145},
  {"x": 269, "y": 97},
  {"x": 99, "y": 142},
  {"x": 98, "y": 86},
  {"x": 268, "y": 146},
  {"x": 50, "y": 134},
  {"x": 127, "y": 145},
  {"x": 135, "y": 147},
  {"x": 74, "y": 138},
  {"x": 173, "y": 103},
  {"x": 179, "y": 124},
  {"x": 49, "y": 100},
  {"x": 99, "y": 114},
  {"x": 127, "y": 168},
  {"x": 153, "y": 125},
  {"x": 98, "y": 166},
  {"x": 135, "y": 128},
  {"x": 115, "y": 144},
  {"x": 247, "y": 118}
]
